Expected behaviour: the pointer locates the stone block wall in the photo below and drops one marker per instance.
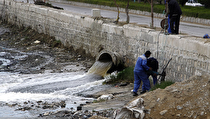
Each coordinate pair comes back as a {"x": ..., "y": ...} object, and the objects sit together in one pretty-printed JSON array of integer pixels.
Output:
[{"x": 190, "y": 55}]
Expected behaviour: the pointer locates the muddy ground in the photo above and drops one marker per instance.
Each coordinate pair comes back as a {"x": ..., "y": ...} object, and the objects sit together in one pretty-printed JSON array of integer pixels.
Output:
[{"x": 42, "y": 47}]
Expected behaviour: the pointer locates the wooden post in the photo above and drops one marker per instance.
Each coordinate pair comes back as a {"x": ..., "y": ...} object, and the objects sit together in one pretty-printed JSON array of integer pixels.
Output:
[{"x": 152, "y": 24}]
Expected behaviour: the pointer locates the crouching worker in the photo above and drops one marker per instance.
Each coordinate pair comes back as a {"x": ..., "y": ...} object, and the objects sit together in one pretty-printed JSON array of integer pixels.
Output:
[
  {"x": 140, "y": 74},
  {"x": 153, "y": 63}
]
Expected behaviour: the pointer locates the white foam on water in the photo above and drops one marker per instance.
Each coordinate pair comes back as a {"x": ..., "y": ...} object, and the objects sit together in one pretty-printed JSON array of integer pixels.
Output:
[
  {"x": 17, "y": 81},
  {"x": 80, "y": 88},
  {"x": 5, "y": 62},
  {"x": 27, "y": 80},
  {"x": 21, "y": 97}
]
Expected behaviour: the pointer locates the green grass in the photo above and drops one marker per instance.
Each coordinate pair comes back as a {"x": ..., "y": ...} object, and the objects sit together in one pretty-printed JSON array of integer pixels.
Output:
[
  {"x": 126, "y": 76},
  {"x": 198, "y": 12},
  {"x": 162, "y": 85}
]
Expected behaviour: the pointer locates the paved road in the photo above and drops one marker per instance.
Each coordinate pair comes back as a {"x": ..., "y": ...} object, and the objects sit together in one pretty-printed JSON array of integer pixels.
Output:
[{"x": 185, "y": 28}]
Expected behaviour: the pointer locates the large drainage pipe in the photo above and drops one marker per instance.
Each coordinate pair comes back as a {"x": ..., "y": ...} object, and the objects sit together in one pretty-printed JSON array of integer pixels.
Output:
[{"x": 114, "y": 57}]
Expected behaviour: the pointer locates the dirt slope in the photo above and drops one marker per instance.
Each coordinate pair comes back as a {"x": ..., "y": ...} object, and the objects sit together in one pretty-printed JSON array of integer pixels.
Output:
[{"x": 187, "y": 99}]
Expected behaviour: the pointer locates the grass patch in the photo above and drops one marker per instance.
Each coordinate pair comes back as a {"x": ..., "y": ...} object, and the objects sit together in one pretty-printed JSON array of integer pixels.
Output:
[
  {"x": 162, "y": 85},
  {"x": 124, "y": 76}
]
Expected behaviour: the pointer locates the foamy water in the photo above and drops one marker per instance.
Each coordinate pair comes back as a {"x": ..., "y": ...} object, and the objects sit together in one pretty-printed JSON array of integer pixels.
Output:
[
  {"x": 49, "y": 86},
  {"x": 18, "y": 88}
]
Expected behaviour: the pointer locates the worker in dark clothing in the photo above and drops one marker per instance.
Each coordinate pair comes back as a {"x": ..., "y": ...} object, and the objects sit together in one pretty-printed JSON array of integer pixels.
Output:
[
  {"x": 153, "y": 63},
  {"x": 174, "y": 14}
]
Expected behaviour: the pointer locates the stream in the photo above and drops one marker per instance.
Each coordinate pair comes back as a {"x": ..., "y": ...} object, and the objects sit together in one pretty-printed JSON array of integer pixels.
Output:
[{"x": 33, "y": 80}]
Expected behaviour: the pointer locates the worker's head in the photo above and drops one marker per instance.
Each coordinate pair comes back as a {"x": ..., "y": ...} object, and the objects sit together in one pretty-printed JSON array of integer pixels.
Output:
[{"x": 147, "y": 53}]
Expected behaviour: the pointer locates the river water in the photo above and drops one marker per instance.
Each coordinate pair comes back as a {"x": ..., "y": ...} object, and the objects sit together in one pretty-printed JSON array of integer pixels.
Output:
[{"x": 19, "y": 88}]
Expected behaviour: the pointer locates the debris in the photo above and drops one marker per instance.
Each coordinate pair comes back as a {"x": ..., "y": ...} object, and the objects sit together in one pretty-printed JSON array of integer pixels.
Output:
[
  {"x": 134, "y": 109},
  {"x": 37, "y": 42},
  {"x": 105, "y": 97}
]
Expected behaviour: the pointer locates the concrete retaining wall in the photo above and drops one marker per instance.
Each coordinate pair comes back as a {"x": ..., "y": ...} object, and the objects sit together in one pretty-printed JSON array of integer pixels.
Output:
[{"x": 189, "y": 55}]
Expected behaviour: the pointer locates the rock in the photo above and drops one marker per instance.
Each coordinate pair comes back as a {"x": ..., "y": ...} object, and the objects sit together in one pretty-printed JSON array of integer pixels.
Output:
[
  {"x": 63, "y": 104},
  {"x": 178, "y": 115},
  {"x": 105, "y": 97},
  {"x": 39, "y": 102},
  {"x": 46, "y": 114},
  {"x": 37, "y": 42},
  {"x": 163, "y": 112},
  {"x": 123, "y": 84},
  {"x": 202, "y": 113},
  {"x": 79, "y": 108},
  {"x": 179, "y": 107}
]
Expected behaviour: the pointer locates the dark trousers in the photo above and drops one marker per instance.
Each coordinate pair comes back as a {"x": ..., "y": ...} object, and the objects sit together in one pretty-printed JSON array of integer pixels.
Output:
[{"x": 175, "y": 19}]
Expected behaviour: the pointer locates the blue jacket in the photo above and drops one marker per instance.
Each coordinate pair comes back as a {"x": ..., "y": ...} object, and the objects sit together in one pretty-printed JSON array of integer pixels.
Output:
[{"x": 141, "y": 64}]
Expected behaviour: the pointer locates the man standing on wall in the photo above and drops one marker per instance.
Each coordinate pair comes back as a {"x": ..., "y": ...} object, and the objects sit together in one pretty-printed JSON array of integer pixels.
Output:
[
  {"x": 140, "y": 74},
  {"x": 175, "y": 13}
]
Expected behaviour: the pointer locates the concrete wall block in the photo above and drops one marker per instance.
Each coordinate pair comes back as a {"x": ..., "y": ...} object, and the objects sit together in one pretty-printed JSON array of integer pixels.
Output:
[
  {"x": 43, "y": 11},
  {"x": 53, "y": 14},
  {"x": 32, "y": 9},
  {"x": 23, "y": 6},
  {"x": 96, "y": 13},
  {"x": 64, "y": 17},
  {"x": 112, "y": 29},
  {"x": 131, "y": 31},
  {"x": 86, "y": 22},
  {"x": 13, "y": 4}
]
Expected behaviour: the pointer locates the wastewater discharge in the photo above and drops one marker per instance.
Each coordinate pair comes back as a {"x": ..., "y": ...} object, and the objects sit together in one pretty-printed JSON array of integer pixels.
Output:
[{"x": 19, "y": 88}]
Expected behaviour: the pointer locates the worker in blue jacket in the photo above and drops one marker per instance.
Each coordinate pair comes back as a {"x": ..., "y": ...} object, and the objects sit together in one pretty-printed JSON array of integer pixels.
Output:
[{"x": 140, "y": 74}]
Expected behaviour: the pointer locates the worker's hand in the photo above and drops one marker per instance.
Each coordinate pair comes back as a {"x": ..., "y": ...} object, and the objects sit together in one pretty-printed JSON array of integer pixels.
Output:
[{"x": 150, "y": 69}]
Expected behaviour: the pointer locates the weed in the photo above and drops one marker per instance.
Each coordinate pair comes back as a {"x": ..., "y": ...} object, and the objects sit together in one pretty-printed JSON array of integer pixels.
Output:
[
  {"x": 162, "y": 85},
  {"x": 125, "y": 75}
]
